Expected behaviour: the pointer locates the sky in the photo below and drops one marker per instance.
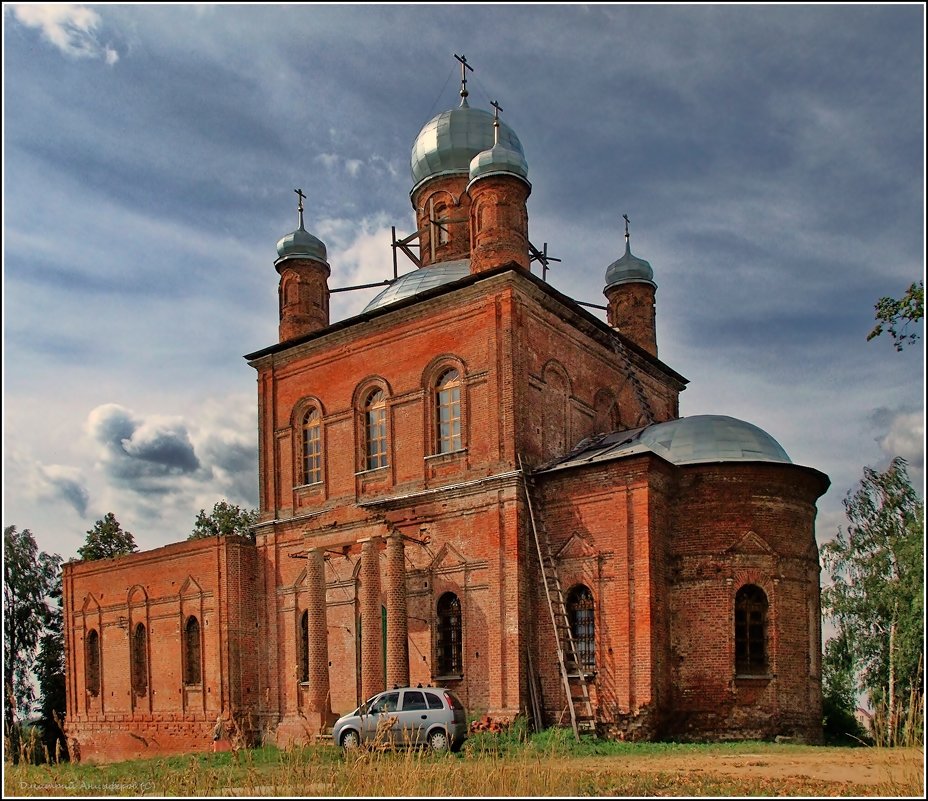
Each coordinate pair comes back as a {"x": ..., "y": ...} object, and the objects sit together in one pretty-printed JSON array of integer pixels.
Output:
[{"x": 770, "y": 160}]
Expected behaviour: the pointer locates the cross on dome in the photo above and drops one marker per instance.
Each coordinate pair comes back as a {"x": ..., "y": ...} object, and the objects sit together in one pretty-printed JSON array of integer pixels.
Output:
[
  {"x": 299, "y": 207},
  {"x": 464, "y": 67}
]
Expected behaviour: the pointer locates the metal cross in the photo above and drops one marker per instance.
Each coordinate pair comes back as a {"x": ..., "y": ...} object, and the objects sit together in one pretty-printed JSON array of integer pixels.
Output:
[
  {"x": 464, "y": 67},
  {"x": 625, "y": 217},
  {"x": 498, "y": 108},
  {"x": 299, "y": 207}
]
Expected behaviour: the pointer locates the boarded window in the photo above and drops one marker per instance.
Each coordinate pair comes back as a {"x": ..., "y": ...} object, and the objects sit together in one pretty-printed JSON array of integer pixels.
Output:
[
  {"x": 192, "y": 651},
  {"x": 140, "y": 660},
  {"x": 304, "y": 646},
  {"x": 92, "y": 662}
]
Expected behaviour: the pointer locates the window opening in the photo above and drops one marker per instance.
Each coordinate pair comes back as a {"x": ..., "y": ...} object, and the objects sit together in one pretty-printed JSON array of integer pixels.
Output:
[
  {"x": 448, "y": 636},
  {"x": 751, "y": 630},
  {"x": 448, "y": 407},
  {"x": 581, "y": 615},
  {"x": 312, "y": 447},
  {"x": 375, "y": 418}
]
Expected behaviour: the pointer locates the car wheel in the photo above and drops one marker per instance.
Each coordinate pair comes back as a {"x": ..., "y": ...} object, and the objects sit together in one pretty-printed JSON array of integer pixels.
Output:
[
  {"x": 438, "y": 740},
  {"x": 350, "y": 740}
]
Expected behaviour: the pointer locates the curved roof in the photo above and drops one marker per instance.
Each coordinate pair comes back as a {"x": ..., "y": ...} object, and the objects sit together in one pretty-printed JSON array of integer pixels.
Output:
[
  {"x": 699, "y": 439},
  {"x": 447, "y": 142},
  {"x": 300, "y": 245},
  {"x": 628, "y": 268},
  {"x": 499, "y": 159},
  {"x": 419, "y": 281}
]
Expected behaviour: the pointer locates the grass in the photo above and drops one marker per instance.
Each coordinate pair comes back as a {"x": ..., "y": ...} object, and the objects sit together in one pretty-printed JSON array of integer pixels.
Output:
[{"x": 510, "y": 764}]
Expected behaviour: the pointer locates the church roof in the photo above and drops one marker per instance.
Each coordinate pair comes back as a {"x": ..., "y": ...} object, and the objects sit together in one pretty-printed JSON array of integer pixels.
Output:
[
  {"x": 419, "y": 281},
  {"x": 699, "y": 439},
  {"x": 449, "y": 141}
]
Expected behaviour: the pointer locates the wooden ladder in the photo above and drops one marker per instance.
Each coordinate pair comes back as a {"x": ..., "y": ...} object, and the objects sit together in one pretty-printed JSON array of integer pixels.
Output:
[
  {"x": 626, "y": 366},
  {"x": 572, "y": 673}
]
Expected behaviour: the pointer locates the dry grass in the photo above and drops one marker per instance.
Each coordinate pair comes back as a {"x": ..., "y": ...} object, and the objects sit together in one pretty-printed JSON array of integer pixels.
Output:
[{"x": 528, "y": 769}]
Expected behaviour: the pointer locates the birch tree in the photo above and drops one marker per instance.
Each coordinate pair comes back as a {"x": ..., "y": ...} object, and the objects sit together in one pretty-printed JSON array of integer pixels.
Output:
[{"x": 875, "y": 599}]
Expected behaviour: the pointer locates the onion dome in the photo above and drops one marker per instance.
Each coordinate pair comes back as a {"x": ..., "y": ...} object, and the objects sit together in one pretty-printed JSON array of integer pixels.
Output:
[
  {"x": 419, "y": 281},
  {"x": 300, "y": 244},
  {"x": 449, "y": 141},
  {"x": 499, "y": 159},
  {"x": 628, "y": 268}
]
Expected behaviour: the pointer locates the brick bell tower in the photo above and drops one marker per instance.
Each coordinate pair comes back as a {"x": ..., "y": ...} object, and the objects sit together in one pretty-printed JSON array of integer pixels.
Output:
[
  {"x": 498, "y": 190},
  {"x": 304, "y": 290},
  {"x": 630, "y": 291}
]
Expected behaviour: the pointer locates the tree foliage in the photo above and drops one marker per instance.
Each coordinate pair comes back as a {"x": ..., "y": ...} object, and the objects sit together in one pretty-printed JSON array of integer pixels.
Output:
[
  {"x": 29, "y": 578},
  {"x": 50, "y": 673},
  {"x": 895, "y": 316},
  {"x": 225, "y": 519},
  {"x": 839, "y": 694},
  {"x": 876, "y": 596},
  {"x": 107, "y": 539}
]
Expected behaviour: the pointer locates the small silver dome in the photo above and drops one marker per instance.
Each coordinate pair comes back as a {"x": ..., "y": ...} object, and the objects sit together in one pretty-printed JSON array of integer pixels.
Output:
[
  {"x": 627, "y": 269},
  {"x": 447, "y": 142},
  {"x": 300, "y": 245},
  {"x": 499, "y": 160},
  {"x": 419, "y": 281}
]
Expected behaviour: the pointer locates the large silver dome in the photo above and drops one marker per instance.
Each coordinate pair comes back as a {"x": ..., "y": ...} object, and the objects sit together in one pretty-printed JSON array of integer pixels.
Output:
[
  {"x": 419, "y": 281},
  {"x": 702, "y": 438},
  {"x": 449, "y": 141}
]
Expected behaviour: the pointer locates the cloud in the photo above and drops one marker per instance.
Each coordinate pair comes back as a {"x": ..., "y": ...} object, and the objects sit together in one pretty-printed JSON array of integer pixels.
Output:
[
  {"x": 71, "y": 28},
  {"x": 906, "y": 438},
  {"x": 141, "y": 454},
  {"x": 43, "y": 484}
]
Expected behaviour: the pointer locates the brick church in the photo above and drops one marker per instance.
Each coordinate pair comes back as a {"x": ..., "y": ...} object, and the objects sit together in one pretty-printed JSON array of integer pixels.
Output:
[{"x": 475, "y": 483}]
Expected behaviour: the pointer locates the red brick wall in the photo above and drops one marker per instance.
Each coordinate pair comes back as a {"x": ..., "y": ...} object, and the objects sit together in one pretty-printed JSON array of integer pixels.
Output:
[
  {"x": 735, "y": 525},
  {"x": 210, "y": 578}
]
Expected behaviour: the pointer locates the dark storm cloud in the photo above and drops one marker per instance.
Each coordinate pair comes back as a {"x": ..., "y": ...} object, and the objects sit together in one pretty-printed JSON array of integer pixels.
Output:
[{"x": 142, "y": 453}]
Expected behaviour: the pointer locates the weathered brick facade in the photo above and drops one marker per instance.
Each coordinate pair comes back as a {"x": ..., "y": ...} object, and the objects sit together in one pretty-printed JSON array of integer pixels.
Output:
[{"x": 396, "y": 542}]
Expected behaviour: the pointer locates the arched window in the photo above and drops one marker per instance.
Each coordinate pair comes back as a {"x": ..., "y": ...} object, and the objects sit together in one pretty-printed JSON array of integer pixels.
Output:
[
  {"x": 448, "y": 411},
  {"x": 448, "y": 648},
  {"x": 580, "y": 615},
  {"x": 375, "y": 429},
  {"x": 304, "y": 646},
  {"x": 751, "y": 630},
  {"x": 140, "y": 660},
  {"x": 192, "y": 651},
  {"x": 92, "y": 662},
  {"x": 312, "y": 447}
]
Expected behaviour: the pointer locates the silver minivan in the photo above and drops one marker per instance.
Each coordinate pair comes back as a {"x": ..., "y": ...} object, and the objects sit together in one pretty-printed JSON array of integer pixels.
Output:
[{"x": 405, "y": 716}]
